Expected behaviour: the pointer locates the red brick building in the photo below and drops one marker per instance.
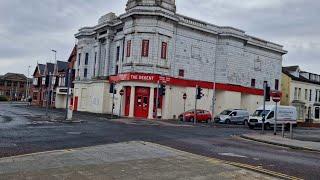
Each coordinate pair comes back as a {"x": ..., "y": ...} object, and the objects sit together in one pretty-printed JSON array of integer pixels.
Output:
[{"x": 14, "y": 86}]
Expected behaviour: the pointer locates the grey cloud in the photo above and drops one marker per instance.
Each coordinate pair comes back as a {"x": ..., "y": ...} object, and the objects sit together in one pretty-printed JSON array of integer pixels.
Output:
[{"x": 29, "y": 29}]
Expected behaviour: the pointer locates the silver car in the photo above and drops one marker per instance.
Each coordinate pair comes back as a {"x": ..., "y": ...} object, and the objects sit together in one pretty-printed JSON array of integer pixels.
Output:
[{"x": 236, "y": 116}]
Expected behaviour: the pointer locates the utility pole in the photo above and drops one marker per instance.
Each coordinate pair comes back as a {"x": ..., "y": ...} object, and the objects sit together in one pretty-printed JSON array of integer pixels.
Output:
[
  {"x": 53, "y": 75},
  {"x": 68, "y": 92},
  {"x": 28, "y": 84},
  {"x": 195, "y": 105},
  {"x": 48, "y": 94},
  {"x": 157, "y": 99}
]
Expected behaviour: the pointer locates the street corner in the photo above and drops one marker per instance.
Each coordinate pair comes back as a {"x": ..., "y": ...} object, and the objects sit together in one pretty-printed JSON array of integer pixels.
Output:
[
  {"x": 283, "y": 141},
  {"x": 130, "y": 160}
]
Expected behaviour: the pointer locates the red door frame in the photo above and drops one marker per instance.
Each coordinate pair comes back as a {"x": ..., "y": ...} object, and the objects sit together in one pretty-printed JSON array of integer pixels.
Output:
[
  {"x": 75, "y": 105},
  {"x": 141, "y": 102},
  {"x": 127, "y": 101}
]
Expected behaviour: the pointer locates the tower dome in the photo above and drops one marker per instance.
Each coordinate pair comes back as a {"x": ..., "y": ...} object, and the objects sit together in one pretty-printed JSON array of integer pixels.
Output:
[{"x": 166, "y": 4}]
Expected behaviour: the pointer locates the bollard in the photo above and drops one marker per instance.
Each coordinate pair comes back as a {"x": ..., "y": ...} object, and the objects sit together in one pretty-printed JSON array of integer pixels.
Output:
[
  {"x": 291, "y": 131},
  {"x": 282, "y": 133}
]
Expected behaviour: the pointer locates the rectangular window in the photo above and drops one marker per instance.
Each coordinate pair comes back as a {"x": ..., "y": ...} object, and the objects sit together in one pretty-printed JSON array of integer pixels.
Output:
[
  {"x": 299, "y": 94},
  {"x": 316, "y": 96},
  {"x": 145, "y": 48},
  {"x": 95, "y": 63},
  {"x": 79, "y": 59},
  {"x": 129, "y": 48},
  {"x": 276, "y": 86},
  {"x": 181, "y": 72},
  {"x": 87, "y": 59},
  {"x": 118, "y": 54},
  {"x": 310, "y": 98},
  {"x": 164, "y": 48},
  {"x": 253, "y": 82},
  {"x": 295, "y": 93},
  {"x": 306, "y": 94},
  {"x": 85, "y": 73},
  {"x": 117, "y": 70}
]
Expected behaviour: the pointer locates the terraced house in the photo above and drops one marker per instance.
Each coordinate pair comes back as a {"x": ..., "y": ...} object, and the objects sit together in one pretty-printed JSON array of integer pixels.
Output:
[
  {"x": 151, "y": 43},
  {"x": 302, "y": 90}
]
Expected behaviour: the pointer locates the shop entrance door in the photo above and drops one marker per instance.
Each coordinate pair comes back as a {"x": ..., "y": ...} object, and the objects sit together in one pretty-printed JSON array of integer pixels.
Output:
[{"x": 141, "y": 104}]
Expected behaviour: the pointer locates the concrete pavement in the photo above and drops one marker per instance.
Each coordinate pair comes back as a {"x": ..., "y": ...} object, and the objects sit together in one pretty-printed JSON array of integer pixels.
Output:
[
  {"x": 285, "y": 142},
  {"x": 18, "y": 136},
  {"x": 131, "y": 160}
]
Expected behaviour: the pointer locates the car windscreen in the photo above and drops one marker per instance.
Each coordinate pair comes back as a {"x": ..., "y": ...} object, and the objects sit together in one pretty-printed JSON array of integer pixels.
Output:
[
  {"x": 226, "y": 112},
  {"x": 259, "y": 113}
]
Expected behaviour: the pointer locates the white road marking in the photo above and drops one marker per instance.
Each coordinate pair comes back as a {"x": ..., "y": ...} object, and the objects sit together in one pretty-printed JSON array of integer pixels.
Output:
[{"x": 232, "y": 155}]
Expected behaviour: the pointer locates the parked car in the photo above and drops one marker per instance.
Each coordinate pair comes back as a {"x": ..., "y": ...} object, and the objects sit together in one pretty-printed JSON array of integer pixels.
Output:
[
  {"x": 202, "y": 116},
  {"x": 237, "y": 116},
  {"x": 286, "y": 115}
]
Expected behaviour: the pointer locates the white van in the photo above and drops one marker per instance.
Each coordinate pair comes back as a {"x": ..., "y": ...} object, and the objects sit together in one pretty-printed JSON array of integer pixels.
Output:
[
  {"x": 286, "y": 115},
  {"x": 237, "y": 116}
]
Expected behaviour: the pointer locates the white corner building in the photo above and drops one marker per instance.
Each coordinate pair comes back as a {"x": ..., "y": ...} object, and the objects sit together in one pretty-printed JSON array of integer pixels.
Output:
[{"x": 151, "y": 43}]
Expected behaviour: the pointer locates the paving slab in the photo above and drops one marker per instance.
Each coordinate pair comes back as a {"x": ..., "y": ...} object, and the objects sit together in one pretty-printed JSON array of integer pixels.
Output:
[
  {"x": 131, "y": 160},
  {"x": 285, "y": 142}
]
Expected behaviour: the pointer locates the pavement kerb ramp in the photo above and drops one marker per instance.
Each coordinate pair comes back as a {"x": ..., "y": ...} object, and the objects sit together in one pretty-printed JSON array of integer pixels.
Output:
[
  {"x": 280, "y": 144},
  {"x": 257, "y": 169}
]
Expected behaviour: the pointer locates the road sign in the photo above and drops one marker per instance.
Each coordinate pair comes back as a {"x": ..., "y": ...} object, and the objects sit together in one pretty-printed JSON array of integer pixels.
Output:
[
  {"x": 276, "y": 96},
  {"x": 185, "y": 96},
  {"x": 121, "y": 92}
]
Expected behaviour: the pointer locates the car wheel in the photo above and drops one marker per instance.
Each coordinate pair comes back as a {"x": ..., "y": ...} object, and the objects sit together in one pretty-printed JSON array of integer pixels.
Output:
[
  {"x": 228, "y": 121},
  {"x": 245, "y": 122},
  {"x": 267, "y": 126}
]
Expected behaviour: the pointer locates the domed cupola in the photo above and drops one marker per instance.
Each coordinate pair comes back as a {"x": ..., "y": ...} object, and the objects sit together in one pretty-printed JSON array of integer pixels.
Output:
[{"x": 166, "y": 4}]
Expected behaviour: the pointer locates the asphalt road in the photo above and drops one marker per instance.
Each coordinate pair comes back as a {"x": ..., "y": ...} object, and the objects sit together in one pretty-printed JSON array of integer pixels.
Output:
[{"x": 18, "y": 135}]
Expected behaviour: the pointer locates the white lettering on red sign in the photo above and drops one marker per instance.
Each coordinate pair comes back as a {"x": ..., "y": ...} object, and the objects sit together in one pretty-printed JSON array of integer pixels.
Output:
[{"x": 142, "y": 77}]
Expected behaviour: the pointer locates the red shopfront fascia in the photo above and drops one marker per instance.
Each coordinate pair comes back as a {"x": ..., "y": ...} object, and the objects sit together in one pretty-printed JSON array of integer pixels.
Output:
[{"x": 155, "y": 78}]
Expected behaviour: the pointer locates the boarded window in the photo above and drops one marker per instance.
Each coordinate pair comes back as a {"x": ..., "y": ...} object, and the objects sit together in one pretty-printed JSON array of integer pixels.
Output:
[
  {"x": 164, "y": 48},
  {"x": 118, "y": 53},
  {"x": 145, "y": 48},
  {"x": 276, "y": 86},
  {"x": 129, "y": 48},
  {"x": 181, "y": 72},
  {"x": 87, "y": 59},
  {"x": 253, "y": 82}
]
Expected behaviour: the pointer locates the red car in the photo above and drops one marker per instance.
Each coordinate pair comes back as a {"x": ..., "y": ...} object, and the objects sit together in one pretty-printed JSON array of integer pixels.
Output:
[{"x": 202, "y": 116}]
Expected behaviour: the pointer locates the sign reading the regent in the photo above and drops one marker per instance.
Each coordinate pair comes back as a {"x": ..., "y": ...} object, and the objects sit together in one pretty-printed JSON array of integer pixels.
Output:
[{"x": 142, "y": 77}]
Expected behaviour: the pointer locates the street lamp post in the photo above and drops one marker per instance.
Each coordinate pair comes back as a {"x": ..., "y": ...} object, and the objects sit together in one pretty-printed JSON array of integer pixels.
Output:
[
  {"x": 28, "y": 84},
  {"x": 214, "y": 79},
  {"x": 53, "y": 75}
]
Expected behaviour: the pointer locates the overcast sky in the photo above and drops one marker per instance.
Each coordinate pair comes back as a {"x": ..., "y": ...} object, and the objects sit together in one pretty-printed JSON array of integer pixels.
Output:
[{"x": 29, "y": 29}]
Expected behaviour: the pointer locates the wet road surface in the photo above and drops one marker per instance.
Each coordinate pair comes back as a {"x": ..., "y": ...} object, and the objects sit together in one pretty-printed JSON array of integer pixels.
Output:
[{"x": 19, "y": 135}]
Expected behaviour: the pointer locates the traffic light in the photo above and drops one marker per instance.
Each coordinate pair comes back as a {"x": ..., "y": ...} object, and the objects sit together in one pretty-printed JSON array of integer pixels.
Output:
[
  {"x": 162, "y": 90},
  {"x": 268, "y": 93},
  {"x": 199, "y": 92},
  {"x": 112, "y": 88},
  {"x": 47, "y": 81}
]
